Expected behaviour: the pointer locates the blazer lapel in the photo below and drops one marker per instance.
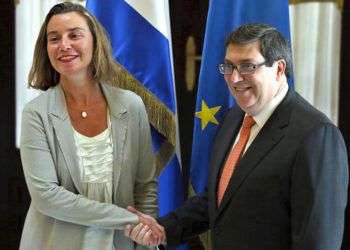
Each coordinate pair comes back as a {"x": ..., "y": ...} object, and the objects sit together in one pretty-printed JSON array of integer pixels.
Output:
[
  {"x": 119, "y": 125},
  {"x": 64, "y": 133},
  {"x": 272, "y": 132}
]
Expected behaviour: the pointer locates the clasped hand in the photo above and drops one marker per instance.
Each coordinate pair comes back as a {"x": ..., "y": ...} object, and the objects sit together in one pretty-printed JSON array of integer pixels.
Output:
[{"x": 148, "y": 232}]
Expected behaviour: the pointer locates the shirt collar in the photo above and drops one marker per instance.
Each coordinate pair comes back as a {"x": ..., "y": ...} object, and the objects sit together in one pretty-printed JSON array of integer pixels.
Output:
[{"x": 267, "y": 111}]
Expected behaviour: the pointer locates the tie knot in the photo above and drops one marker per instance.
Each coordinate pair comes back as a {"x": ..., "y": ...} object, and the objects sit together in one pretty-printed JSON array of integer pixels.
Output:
[{"x": 248, "y": 121}]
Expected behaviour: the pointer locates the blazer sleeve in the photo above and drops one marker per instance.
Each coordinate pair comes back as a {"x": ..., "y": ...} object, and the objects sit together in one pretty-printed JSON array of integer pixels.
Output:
[
  {"x": 187, "y": 221},
  {"x": 51, "y": 199},
  {"x": 319, "y": 190},
  {"x": 145, "y": 192}
]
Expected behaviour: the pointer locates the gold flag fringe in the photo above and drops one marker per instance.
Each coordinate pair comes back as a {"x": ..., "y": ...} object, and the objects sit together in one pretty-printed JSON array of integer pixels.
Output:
[
  {"x": 159, "y": 115},
  {"x": 164, "y": 154}
]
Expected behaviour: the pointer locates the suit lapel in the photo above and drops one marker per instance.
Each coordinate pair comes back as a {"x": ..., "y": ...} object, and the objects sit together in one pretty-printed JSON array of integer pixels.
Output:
[
  {"x": 268, "y": 137},
  {"x": 222, "y": 144},
  {"x": 64, "y": 133},
  {"x": 119, "y": 126}
]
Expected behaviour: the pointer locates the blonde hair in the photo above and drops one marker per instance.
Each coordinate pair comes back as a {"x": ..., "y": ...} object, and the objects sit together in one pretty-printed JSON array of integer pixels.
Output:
[{"x": 103, "y": 67}]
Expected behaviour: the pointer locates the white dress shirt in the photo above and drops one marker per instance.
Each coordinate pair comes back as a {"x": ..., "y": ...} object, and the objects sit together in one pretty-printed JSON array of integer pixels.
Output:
[{"x": 262, "y": 117}]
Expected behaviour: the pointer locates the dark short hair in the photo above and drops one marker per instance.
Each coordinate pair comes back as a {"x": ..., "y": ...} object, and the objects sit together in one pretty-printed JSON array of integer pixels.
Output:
[
  {"x": 273, "y": 46},
  {"x": 103, "y": 67}
]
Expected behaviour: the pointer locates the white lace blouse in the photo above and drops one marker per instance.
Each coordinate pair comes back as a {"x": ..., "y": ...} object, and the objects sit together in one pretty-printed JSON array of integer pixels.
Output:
[{"x": 96, "y": 164}]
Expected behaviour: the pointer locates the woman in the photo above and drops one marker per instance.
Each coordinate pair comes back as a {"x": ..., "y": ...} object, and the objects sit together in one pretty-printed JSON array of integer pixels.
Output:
[{"x": 85, "y": 145}]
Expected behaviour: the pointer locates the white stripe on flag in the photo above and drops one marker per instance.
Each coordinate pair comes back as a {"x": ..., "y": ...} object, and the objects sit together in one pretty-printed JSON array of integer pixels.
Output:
[{"x": 154, "y": 12}]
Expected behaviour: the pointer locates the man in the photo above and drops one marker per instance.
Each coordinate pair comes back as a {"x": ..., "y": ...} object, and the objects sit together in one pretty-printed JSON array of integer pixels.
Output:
[{"x": 279, "y": 180}]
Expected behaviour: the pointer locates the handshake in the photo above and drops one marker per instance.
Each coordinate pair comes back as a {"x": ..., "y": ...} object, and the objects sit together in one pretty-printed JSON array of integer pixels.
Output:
[{"x": 148, "y": 232}]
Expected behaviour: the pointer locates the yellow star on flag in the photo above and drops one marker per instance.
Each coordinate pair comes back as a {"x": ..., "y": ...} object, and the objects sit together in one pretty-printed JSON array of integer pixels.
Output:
[{"x": 207, "y": 114}]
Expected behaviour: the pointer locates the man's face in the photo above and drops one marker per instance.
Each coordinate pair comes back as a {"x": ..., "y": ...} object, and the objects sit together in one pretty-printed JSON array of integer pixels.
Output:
[{"x": 253, "y": 91}]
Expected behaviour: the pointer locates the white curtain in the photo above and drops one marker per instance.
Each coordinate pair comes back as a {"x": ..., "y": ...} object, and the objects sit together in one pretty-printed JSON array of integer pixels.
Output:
[
  {"x": 29, "y": 16},
  {"x": 315, "y": 31}
]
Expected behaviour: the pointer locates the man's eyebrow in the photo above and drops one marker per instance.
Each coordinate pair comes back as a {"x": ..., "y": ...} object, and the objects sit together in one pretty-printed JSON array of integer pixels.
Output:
[{"x": 248, "y": 60}]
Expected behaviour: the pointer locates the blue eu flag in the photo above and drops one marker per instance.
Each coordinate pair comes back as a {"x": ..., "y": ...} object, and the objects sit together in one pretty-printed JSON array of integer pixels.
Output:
[{"x": 213, "y": 97}]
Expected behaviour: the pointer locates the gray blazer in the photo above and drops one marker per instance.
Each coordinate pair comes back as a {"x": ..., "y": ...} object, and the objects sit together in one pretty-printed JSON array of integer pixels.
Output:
[{"x": 60, "y": 217}]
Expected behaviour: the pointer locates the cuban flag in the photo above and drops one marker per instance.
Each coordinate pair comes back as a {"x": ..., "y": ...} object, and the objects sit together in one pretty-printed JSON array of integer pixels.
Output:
[
  {"x": 140, "y": 35},
  {"x": 213, "y": 97}
]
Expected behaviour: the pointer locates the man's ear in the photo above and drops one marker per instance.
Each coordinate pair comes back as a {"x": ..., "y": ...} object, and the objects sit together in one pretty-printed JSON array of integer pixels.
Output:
[{"x": 281, "y": 69}]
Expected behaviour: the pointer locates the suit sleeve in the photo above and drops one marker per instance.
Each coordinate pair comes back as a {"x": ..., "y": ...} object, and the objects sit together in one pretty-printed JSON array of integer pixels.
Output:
[
  {"x": 187, "y": 221},
  {"x": 51, "y": 199},
  {"x": 319, "y": 190}
]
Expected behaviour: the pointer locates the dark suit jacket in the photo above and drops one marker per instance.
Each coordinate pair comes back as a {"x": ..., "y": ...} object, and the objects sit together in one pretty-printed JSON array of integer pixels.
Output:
[{"x": 289, "y": 190}]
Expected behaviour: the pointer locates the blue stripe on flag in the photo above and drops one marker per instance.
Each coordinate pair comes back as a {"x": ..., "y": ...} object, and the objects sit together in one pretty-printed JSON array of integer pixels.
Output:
[
  {"x": 170, "y": 174},
  {"x": 223, "y": 17}
]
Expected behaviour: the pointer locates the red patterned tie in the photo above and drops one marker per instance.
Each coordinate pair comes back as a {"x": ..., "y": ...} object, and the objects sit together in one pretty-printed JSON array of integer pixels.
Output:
[{"x": 234, "y": 156}]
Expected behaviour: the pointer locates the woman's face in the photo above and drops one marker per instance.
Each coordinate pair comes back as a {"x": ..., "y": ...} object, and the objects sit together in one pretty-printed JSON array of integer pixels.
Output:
[{"x": 69, "y": 44}]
